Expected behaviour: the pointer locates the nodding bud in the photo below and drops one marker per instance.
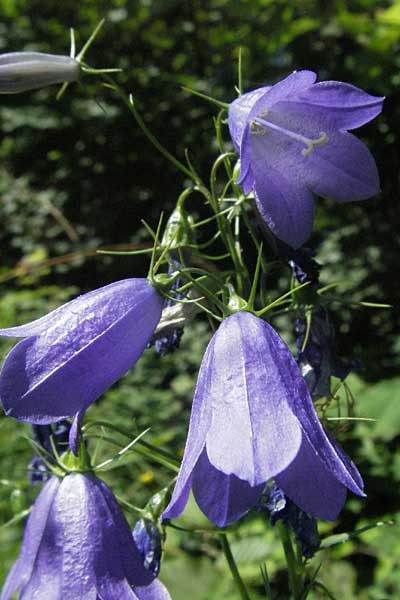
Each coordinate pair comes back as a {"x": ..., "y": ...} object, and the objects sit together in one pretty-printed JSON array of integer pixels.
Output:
[{"x": 22, "y": 71}]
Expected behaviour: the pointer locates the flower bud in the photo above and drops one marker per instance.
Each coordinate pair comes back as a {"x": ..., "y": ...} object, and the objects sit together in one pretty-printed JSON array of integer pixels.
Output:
[{"x": 22, "y": 71}]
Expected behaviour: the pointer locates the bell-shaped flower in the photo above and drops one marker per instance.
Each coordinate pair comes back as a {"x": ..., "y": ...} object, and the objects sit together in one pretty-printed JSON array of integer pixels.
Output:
[
  {"x": 76, "y": 352},
  {"x": 78, "y": 546},
  {"x": 22, "y": 71},
  {"x": 292, "y": 139},
  {"x": 253, "y": 420}
]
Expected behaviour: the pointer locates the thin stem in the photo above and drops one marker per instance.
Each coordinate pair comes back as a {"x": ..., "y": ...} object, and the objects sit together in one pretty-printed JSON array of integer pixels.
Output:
[
  {"x": 253, "y": 290},
  {"x": 240, "y": 73},
  {"x": 295, "y": 579},
  {"x": 206, "y": 97},
  {"x": 127, "y": 433},
  {"x": 281, "y": 298},
  {"x": 130, "y": 104},
  {"x": 233, "y": 568}
]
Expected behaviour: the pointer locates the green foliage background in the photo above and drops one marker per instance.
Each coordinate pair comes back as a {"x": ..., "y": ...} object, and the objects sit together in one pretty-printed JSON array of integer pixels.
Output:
[{"x": 75, "y": 175}]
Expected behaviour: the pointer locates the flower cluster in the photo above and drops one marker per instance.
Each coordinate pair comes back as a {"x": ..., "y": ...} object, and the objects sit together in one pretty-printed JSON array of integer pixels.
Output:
[{"x": 253, "y": 425}]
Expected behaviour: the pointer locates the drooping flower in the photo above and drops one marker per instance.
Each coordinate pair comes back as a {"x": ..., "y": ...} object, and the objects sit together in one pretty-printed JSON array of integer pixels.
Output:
[
  {"x": 303, "y": 265},
  {"x": 78, "y": 546},
  {"x": 253, "y": 420},
  {"x": 304, "y": 526},
  {"x": 293, "y": 140},
  {"x": 76, "y": 352},
  {"x": 319, "y": 360},
  {"x": 148, "y": 540},
  {"x": 22, "y": 71}
]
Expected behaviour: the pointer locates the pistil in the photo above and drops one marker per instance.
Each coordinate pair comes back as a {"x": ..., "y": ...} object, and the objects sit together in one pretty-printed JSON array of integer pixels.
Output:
[{"x": 259, "y": 126}]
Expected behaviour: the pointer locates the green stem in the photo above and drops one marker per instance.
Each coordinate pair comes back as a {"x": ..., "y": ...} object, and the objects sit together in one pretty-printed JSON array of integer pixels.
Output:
[
  {"x": 233, "y": 568},
  {"x": 295, "y": 578},
  {"x": 130, "y": 104}
]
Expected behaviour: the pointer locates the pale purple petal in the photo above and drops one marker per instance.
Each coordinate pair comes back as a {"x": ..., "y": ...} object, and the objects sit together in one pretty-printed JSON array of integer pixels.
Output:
[
  {"x": 223, "y": 498},
  {"x": 89, "y": 344},
  {"x": 286, "y": 205},
  {"x": 309, "y": 485},
  {"x": 247, "y": 392},
  {"x": 340, "y": 105}
]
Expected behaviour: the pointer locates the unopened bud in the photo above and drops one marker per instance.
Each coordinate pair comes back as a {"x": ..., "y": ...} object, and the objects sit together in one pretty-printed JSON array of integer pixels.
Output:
[{"x": 22, "y": 71}]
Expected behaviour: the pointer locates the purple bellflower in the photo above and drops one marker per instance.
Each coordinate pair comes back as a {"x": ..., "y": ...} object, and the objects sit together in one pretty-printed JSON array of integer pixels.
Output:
[
  {"x": 319, "y": 360},
  {"x": 292, "y": 139},
  {"x": 253, "y": 420},
  {"x": 76, "y": 352},
  {"x": 78, "y": 546},
  {"x": 22, "y": 71}
]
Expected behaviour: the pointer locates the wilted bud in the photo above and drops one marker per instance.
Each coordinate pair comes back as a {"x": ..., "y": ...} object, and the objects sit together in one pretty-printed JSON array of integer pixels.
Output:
[
  {"x": 179, "y": 229},
  {"x": 22, "y": 71},
  {"x": 148, "y": 539}
]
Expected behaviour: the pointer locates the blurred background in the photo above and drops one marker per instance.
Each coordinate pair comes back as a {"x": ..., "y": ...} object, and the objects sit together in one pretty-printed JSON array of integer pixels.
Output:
[{"x": 77, "y": 174}]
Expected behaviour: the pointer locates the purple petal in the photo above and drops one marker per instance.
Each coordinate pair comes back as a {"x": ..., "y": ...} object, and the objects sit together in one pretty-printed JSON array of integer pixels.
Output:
[
  {"x": 34, "y": 530},
  {"x": 246, "y": 178},
  {"x": 340, "y": 105},
  {"x": 75, "y": 433},
  {"x": 179, "y": 497},
  {"x": 334, "y": 460},
  {"x": 86, "y": 347},
  {"x": 295, "y": 83},
  {"x": 309, "y": 485},
  {"x": 343, "y": 169},
  {"x": 238, "y": 114},
  {"x": 123, "y": 550},
  {"x": 200, "y": 420},
  {"x": 253, "y": 433},
  {"x": 154, "y": 591},
  {"x": 223, "y": 498},
  {"x": 286, "y": 205}
]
